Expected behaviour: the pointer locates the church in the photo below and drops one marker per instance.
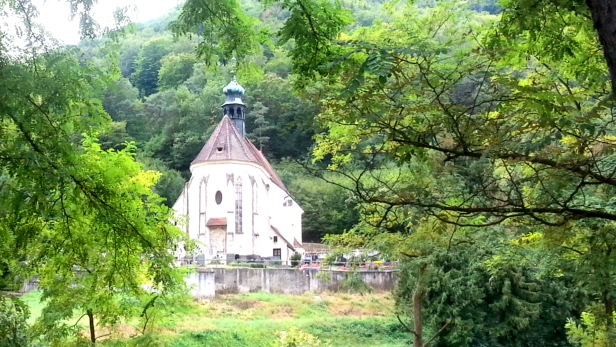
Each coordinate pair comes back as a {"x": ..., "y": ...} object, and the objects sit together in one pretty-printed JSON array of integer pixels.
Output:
[{"x": 237, "y": 207}]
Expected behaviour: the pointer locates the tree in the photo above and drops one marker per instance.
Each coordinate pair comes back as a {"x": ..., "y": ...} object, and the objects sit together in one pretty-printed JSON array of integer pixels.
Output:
[
  {"x": 13, "y": 325},
  {"x": 437, "y": 124},
  {"x": 85, "y": 220},
  {"x": 122, "y": 104},
  {"x": 311, "y": 25},
  {"x": 258, "y": 113},
  {"x": 147, "y": 65},
  {"x": 175, "y": 69},
  {"x": 328, "y": 208}
]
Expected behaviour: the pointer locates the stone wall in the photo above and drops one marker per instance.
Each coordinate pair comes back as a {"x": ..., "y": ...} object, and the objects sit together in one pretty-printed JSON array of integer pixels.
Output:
[
  {"x": 207, "y": 282},
  {"x": 201, "y": 283},
  {"x": 290, "y": 281}
]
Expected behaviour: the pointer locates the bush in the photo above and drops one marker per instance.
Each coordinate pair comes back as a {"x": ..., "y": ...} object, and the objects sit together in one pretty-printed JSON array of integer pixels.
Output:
[
  {"x": 295, "y": 258},
  {"x": 13, "y": 325},
  {"x": 295, "y": 337},
  {"x": 324, "y": 276},
  {"x": 354, "y": 283},
  {"x": 246, "y": 264}
]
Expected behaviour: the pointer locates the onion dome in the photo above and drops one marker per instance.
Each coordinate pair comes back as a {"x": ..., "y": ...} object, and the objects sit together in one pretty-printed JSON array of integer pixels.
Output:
[{"x": 233, "y": 88}]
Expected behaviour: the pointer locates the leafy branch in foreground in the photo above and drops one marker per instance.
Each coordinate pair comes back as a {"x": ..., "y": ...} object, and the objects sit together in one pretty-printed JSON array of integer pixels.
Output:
[{"x": 84, "y": 220}]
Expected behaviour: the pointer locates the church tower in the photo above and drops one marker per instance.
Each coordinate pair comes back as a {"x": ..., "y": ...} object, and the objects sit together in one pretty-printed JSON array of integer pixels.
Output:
[{"x": 233, "y": 106}]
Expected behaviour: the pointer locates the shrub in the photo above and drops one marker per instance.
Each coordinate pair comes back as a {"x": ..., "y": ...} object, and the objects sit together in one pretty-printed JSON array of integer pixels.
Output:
[
  {"x": 246, "y": 264},
  {"x": 324, "y": 276},
  {"x": 295, "y": 337},
  {"x": 354, "y": 283},
  {"x": 13, "y": 326},
  {"x": 295, "y": 258},
  {"x": 239, "y": 263}
]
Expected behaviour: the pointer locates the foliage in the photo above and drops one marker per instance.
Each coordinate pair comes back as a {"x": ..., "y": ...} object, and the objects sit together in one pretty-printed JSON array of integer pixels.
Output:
[
  {"x": 175, "y": 69},
  {"x": 223, "y": 27},
  {"x": 13, "y": 322},
  {"x": 250, "y": 265},
  {"x": 590, "y": 333},
  {"x": 295, "y": 259},
  {"x": 295, "y": 337},
  {"x": 148, "y": 64},
  {"x": 479, "y": 127},
  {"x": 82, "y": 218},
  {"x": 352, "y": 282},
  {"x": 328, "y": 208},
  {"x": 324, "y": 276}
]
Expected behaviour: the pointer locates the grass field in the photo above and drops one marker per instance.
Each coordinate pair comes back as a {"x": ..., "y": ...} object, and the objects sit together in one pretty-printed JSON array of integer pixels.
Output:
[{"x": 253, "y": 319}]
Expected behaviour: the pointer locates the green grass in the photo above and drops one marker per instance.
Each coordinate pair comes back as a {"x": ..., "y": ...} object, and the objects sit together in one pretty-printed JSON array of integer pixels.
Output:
[
  {"x": 33, "y": 300},
  {"x": 253, "y": 319}
]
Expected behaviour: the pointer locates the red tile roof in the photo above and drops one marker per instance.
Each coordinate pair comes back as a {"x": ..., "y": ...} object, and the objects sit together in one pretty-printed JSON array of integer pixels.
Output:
[
  {"x": 226, "y": 143},
  {"x": 216, "y": 222}
]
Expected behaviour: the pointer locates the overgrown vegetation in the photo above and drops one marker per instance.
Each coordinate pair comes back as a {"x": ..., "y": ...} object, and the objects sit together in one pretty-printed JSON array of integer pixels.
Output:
[{"x": 255, "y": 319}]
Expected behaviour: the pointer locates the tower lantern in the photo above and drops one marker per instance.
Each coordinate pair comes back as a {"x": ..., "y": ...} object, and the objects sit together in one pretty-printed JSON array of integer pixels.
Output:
[{"x": 233, "y": 106}]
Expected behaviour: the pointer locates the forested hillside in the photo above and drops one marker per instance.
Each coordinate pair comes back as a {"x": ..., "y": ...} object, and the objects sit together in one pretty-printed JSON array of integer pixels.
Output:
[{"x": 168, "y": 102}]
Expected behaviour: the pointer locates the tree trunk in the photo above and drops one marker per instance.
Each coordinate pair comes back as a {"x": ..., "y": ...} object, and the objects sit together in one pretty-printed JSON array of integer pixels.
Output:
[
  {"x": 92, "y": 333},
  {"x": 417, "y": 318},
  {"x": 417, "y": 306},
  {"x": 604, "y": 19},
  {"x": 609, "y": 326}
]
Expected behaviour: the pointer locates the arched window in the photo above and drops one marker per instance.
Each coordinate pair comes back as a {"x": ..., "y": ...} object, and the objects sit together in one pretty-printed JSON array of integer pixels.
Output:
[{"x": 238, "y": 206}]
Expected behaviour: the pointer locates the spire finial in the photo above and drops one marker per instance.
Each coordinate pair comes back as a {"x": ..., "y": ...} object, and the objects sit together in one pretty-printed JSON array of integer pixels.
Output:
[{"x": 233, "y": 62}]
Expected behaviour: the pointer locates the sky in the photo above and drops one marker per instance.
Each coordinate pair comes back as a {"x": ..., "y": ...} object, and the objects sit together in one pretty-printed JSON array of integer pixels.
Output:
[{"x": 54, "y": 14}]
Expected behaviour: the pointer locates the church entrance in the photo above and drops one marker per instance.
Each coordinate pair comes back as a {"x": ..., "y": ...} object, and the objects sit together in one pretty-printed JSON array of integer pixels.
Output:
[{"x": 218, "y": 238}]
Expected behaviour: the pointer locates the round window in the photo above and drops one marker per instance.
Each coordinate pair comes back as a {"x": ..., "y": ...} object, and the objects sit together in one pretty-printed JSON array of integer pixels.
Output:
[{"x": 218, "y": 197}]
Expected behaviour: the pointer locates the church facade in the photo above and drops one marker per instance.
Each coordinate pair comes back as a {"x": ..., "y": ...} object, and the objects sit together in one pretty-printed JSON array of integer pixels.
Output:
[{"x": 236, "y": 205}]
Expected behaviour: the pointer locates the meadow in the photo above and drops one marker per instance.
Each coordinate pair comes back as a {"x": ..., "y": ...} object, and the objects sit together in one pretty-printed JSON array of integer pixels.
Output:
[{"x": 254, "y": 319}]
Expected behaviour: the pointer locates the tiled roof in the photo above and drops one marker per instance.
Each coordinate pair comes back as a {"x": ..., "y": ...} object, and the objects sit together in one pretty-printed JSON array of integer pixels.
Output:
[
  {"x": 266, "y": 165},
  {"x": 216, "y": 222},
  {"x": 315, "y": 248},
  {"x": 226, "y": 143},
  {"x": 296, "y": 243}
]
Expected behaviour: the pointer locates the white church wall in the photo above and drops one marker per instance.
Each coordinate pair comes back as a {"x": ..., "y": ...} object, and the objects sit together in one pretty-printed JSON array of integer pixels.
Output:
[{"x": 266, "y": 207}]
